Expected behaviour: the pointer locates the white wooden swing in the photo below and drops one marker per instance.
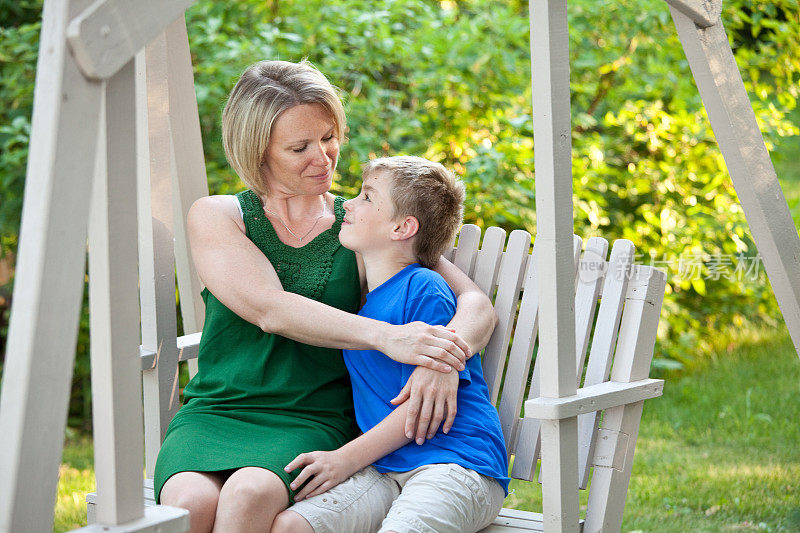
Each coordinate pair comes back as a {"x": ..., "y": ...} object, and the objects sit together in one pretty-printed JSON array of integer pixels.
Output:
[{"x": 90, "y": 122}]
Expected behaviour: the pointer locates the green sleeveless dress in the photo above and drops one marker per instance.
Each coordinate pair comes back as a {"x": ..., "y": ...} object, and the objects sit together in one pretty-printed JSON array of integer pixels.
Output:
[{"x": 260, "y": 399}]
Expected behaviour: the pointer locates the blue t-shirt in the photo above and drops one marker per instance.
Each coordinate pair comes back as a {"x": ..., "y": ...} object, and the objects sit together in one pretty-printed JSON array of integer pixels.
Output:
[{"x": 475, "y": 440}]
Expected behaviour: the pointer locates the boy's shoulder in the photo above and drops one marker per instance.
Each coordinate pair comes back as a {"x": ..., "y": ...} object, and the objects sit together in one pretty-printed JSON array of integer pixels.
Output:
[
  {"x": 428, "y": 289},
  {"x": 421, "y": 280}
]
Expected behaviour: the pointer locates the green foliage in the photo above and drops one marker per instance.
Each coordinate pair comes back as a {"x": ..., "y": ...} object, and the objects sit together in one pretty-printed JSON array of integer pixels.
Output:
[
  {"x": 17, "y": 75},
  {"x": 451, "y": 80}
]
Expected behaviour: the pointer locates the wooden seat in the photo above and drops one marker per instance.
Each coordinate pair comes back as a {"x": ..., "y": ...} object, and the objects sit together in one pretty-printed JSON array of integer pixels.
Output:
[{"x": 614, "y": 378}]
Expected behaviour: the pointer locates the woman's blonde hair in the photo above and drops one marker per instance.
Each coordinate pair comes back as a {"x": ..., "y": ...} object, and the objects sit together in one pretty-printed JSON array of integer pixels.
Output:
[{"x": 264, "y": 91}]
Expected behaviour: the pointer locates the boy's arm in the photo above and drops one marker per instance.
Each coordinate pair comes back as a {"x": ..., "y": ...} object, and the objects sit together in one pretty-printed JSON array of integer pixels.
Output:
[
  {"x": 475, "y": 318},
  {"x": 324, "y": 470}
]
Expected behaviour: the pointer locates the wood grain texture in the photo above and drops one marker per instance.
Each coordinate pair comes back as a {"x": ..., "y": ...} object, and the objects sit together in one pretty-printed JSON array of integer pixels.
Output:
[{"x": 49, "y": 279}]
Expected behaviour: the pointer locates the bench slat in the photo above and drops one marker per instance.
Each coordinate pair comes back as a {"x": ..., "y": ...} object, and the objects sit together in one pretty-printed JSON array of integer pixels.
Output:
[
  {"x": 615, "y": 284},
  {"x": 487, "y": 266},
  {"x": 511, "y": 272},
  {"x": 467, "y": 248},
  {"x": 519, "y": 360}
]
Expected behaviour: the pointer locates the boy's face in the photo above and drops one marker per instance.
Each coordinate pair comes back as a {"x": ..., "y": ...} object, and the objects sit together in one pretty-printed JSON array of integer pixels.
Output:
[{"x": 369, "y": 217}]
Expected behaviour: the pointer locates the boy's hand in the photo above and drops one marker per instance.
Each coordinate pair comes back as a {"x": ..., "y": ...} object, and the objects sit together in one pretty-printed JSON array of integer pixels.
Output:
[
  {"x": 430, "y": 396},
  {"x": 322, "y": 470},
  {"x": 420, "y": 344}
]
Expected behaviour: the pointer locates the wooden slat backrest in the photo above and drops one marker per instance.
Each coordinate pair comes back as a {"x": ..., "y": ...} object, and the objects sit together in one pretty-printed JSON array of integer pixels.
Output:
[
  {"x": 525, "y": 440},
  {"x": 467, "y": 251},
  {"x": 615, "y": 284},
  {"x": 518, "y": 316},
  {"x": 512, "y": 268},
  {"x": 613, "y": 456}
]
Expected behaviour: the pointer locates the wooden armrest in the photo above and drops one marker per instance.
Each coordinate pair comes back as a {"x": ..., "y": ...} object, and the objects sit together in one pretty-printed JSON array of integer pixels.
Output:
[
  {"x": 187, "y": 349},
  {"x": 593, "y": 398}
]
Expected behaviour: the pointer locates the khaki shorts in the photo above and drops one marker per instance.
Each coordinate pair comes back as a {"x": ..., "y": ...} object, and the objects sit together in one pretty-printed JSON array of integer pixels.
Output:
[{"x": 438, "y": 498}]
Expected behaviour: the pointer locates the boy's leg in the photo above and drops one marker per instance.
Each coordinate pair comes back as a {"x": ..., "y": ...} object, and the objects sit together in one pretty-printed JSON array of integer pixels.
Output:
[
  {"x": 443, "y": 498},
  {"x": 358, "y": 504}
]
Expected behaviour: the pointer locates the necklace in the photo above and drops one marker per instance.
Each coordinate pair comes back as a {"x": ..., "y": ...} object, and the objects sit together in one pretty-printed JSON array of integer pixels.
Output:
[{"x": 295, "y": 235}]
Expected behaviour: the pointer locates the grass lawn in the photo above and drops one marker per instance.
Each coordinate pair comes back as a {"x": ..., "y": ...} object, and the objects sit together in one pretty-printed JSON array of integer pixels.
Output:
[{"x": 718, "y": 452}]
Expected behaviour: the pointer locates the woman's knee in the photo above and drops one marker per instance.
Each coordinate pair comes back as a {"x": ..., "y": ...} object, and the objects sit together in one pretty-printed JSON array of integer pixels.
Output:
[
  {"x": 290, "y": 522},
  {"x": 255, "y": 487},
  {"x": 198, "y": 493}
]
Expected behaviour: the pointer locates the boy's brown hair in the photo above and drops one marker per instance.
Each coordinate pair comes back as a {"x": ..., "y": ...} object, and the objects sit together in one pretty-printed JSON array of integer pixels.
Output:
[{"x": 428, "y": 192}]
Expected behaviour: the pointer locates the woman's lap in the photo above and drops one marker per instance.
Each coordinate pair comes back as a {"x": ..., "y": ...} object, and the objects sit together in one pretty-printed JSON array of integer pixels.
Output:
[{"x": 208, "y": 442}]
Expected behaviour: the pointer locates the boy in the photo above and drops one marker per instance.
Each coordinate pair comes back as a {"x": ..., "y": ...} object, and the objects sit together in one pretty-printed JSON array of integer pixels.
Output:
[{"x": 407, "y": 213}]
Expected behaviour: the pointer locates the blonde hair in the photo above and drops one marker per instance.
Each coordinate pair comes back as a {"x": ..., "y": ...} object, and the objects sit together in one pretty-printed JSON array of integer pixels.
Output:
[
  {"x": 264, "y": 91},
  {"x": 428, "y": 192}
]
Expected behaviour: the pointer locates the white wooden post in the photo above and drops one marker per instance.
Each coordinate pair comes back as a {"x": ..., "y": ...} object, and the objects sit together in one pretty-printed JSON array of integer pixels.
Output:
[
  {"x": 157, "y": 271},
  {"x": 189, "y": 178},
  {"x": 742, "y": 145},
  {"x": 553, "y": 145},
  {"x": 114, "y": 313},
  {"x": 49, "y": 278}
]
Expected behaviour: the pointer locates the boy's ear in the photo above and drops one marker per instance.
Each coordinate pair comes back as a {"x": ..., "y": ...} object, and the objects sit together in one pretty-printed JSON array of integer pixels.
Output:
[{"x": 405, "y": 228}]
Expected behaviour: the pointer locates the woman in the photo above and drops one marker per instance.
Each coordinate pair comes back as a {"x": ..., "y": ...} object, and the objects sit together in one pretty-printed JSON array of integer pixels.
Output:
[{"x": 279, "y": 301}]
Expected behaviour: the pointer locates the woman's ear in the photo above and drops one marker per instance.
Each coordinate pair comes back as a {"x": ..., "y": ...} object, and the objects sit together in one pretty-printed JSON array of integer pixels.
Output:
[{"x": 405, "y": 228}]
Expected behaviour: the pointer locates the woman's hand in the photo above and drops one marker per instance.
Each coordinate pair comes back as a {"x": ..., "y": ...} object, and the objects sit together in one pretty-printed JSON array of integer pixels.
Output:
[
  {"x": 322, "y": 470},
  {"x": 420, "y": 344},
  {"x": 430, "y": 395}
]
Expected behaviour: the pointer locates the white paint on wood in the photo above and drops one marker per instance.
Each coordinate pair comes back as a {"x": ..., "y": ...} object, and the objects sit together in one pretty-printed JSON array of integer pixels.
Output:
[
  {"x": 156, "y": 251},
  {"x": 742, "y": 145},
  {"x": 487, "y": 265},
  {"x": 156, "y": 519},
  {"x": 48, "y": 287},
  {"x": 519, "y": 359},
  {"x": 527, "y": 437},
  {"x": 612, "y": 470},
  {"x": 509, "y": 283},
  {"x": 559, "y": 474},
  {"x": 109, "y": 33},
  {"x": 594, "y": 398},
  {"x": 114, "y": 313},
  {"x": 467, "y": 249},
  {"x": 591, "y": 271},
  {"x": 632, "y": 359},
  {"x": 188, "y": 347},
  {"x": 703, "y": 13},
  {"x": 189, "y": 178},
  {"x": 639, "y": 324},
  {"x": 615, "y": 285},
  {"x": 553, "y": 140}
]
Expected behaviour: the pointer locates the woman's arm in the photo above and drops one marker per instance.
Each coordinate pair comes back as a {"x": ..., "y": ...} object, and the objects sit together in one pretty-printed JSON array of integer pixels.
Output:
[
  {"x": 242, "y": 278},
  {"x": 324, "y": 470}
]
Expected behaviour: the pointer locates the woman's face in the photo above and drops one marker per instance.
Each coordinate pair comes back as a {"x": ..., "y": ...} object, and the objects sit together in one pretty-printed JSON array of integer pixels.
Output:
[{"x": 302, "y": 153}]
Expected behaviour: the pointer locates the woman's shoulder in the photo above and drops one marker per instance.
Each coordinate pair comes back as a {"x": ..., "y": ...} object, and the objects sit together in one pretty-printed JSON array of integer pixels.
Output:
[{"x": 209, "y": 210}]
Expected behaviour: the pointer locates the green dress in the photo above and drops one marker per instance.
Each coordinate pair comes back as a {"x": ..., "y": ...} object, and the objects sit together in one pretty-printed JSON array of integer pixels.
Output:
[{"x": 260, "y": 399}]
